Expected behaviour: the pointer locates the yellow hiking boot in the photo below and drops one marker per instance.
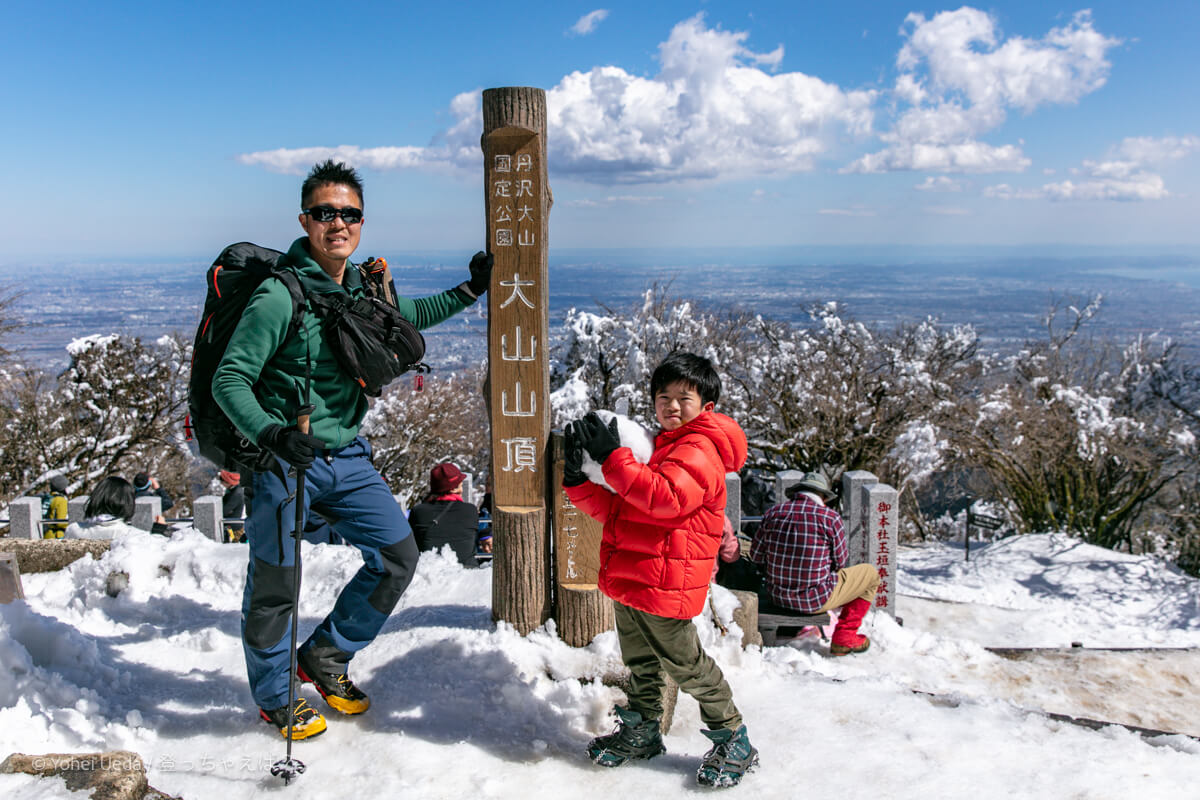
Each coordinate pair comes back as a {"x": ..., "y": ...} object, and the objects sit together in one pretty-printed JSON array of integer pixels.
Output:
[
  {"x": 307, "y": 722},
  {"x": 338, "y": 690}
]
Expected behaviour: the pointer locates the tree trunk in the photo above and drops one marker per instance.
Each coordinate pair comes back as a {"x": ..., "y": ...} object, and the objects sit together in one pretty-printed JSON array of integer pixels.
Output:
[
  {"x": 520, "y": 579},
  {"x": 583, "y": 612}
]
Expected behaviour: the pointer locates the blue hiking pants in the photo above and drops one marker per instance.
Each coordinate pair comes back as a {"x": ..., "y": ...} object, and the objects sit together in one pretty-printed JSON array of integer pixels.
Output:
[{"x": 345, "y": 488}]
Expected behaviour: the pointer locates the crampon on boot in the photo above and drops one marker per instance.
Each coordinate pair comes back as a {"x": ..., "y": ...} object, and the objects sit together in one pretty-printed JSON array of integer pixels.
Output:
[
  {"x": 634, "y": 738},
  {"x": 307, "y": 722},
  {"x": 731, "y": 757},
  {"x": 338, "y": 690},
  {"x": 846, "y": 639}
]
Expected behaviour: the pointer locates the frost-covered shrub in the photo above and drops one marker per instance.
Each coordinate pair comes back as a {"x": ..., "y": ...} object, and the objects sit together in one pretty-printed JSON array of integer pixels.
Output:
[
  {"x": 831, "y": 395},
  {"x": 117, "y": 409},
  {"x": 1068, "y": 435},
  {"x": 412, "y": 431}
]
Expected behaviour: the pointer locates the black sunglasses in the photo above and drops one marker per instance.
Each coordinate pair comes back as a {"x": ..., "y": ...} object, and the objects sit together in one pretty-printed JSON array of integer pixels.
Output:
[{"x": 324, "y": 213}]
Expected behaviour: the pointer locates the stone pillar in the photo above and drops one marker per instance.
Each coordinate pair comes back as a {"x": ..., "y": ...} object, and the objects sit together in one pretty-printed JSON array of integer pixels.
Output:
[
  {"x": 881, "y": 514},
  {"x": 733, "y": 500},
  {"x": 517, "y": 206},
  {"x": 24, "y": 518},
  {"x": 145, "y": 510},
  {"x": 207, "y": 513},
  {"x": 77, "y": 508},
  {"x": 852, "y": 513},
  {"x": 10, "y": 578},
  {"x": 785, "y": 480}
]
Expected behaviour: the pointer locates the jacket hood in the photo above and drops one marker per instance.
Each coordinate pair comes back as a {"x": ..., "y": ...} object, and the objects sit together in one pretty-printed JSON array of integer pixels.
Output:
[{"x": 726, "y": 434}]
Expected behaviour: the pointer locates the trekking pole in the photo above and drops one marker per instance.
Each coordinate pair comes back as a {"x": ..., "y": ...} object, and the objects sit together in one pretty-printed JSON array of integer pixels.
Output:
[{"x": 289, "y": 768}]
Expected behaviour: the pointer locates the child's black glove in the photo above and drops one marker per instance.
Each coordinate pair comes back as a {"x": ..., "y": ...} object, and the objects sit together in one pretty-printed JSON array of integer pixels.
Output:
[
  {"x": 599, "y": 439},
  {"x": 573, "y": 455}
]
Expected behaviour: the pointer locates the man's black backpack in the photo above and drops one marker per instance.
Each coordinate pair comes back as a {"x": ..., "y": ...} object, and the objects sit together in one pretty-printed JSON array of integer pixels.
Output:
[{"x": 355, "y": 339}]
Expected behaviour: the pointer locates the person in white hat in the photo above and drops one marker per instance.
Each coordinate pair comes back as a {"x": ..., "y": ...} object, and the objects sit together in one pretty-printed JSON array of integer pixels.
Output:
[{"x": 801, "y": 550}]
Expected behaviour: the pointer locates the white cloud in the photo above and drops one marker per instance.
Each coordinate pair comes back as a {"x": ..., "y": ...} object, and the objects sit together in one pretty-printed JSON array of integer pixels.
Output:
[
  {"x": 1148, "y": 150},
  {"x": 856, "y": 211},
  {"x": 1124, "y": 175},
  {"x": 615, "y": 200},
  {"x": 588, "y": 22},
  {"x": 939, "y": 183},
  {"x": 960, "y": 79},
  {"x": 715, "y": 110},
  {"x": 297, "y": 161}
]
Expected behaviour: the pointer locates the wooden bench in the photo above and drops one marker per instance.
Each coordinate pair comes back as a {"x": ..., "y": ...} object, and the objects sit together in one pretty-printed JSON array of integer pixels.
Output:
[{"x": 772, "y": 618}]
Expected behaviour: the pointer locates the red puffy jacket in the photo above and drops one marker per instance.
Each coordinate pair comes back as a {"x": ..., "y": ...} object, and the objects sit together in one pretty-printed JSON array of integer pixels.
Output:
[{"x": 662, "y": 528}]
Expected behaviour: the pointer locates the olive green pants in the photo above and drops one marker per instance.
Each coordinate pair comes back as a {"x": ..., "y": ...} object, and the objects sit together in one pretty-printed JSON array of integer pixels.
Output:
[{"x": 652, "y": 645}]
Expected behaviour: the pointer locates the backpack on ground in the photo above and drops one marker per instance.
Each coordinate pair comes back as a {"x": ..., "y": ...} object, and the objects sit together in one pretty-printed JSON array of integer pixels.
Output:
[{"x": 372, "y": 341}]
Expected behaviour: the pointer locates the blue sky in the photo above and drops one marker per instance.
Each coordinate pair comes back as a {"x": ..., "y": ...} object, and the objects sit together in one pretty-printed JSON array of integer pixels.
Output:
[{"x": 155, "y": 129}]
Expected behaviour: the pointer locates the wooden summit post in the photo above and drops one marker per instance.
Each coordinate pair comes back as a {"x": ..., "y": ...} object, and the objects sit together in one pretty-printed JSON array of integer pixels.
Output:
[{"x": 517, "y": 203}]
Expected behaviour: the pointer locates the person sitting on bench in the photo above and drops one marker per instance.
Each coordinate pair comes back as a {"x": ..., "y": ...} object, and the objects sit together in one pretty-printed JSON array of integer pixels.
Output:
[{"x": 801, "y": 551}]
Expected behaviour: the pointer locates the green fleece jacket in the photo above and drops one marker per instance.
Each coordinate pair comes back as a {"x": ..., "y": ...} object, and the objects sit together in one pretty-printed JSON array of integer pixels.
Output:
[{"x": 260, "y": 379}]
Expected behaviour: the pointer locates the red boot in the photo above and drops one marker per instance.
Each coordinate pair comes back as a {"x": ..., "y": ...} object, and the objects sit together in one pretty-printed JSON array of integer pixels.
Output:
[{"x": 845, "y": 638}]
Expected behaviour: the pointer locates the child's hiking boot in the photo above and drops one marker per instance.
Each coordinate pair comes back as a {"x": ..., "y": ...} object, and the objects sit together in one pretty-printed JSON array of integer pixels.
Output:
[
  {"x": 338, "y": 690},
  {"x": 634, "y": 738},
  {"x": 307, "y": 722},
  {"x": 731, "y": 757}
]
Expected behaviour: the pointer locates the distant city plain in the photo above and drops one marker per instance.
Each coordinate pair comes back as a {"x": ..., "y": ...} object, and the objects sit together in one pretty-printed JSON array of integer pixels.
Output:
[{"x": 1003, "y": 292}]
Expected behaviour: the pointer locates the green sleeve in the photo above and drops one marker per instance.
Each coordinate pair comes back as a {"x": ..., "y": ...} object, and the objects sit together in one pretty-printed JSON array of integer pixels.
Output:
[
  {"x": 262, "y": 329},
  {"x": 425, "y": 312}
]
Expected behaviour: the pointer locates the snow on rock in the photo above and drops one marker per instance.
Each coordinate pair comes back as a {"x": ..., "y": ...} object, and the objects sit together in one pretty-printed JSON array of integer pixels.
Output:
[{"x": 463, "y": 707}]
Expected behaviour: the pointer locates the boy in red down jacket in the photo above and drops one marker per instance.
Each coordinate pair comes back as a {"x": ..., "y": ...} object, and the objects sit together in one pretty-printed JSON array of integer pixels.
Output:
[{"x": 662, "y": 530}]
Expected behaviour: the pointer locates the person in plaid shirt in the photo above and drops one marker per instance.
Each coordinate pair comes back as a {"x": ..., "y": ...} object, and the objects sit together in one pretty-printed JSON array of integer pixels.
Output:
[{"x": 801, "y": 550}]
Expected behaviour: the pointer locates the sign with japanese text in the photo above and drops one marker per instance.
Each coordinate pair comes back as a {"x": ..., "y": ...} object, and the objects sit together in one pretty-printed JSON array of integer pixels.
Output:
[
  {"x": 576, "y": 535},
  {"x": 517, "y": 206},
  {"x": 881, "y": 511}
]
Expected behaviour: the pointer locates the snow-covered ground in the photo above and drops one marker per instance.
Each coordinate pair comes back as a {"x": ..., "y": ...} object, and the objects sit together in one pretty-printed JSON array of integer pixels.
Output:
[{"x": 463, "y": 708}]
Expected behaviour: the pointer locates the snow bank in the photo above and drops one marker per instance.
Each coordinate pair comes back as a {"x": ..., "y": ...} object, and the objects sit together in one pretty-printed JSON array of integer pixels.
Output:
[{"x": 465, "y": 708}]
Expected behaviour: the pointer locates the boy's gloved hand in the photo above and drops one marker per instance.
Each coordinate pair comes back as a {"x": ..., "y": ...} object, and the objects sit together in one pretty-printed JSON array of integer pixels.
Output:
[
  {"x": 481, "y": 273},
  {"x": 599, "y": 439},
  {"x": 296, "y": 448},
  {"x": 573, "y": 455}
]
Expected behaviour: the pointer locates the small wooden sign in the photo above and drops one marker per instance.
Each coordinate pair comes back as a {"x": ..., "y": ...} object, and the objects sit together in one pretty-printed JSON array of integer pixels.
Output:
[
  {"x": 983, "y": 521},
  {"x": 576, "y": 535},
  {"x": 10, "y": 579}
]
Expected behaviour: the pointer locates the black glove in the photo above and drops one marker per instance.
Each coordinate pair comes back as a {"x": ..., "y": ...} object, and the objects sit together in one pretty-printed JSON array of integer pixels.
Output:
[
  {"x": 573, "y": 455},
  {"x": 597, "y": 438},
  {"x": 481, "y": 273},
  {"x": 294, "y": 447}
]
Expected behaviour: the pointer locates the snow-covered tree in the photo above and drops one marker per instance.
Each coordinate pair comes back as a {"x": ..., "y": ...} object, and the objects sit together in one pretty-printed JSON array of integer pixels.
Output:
[
  {"x": 1065, "y": 432},
  {"x": 412, "y": 431},
  {"x": 117, "y": 409},
  {"x": 832, "y": 395}
]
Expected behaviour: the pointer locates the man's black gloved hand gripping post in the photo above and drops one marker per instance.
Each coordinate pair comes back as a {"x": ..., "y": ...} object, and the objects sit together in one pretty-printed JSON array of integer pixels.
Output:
[{"x": 481, "y": 273}]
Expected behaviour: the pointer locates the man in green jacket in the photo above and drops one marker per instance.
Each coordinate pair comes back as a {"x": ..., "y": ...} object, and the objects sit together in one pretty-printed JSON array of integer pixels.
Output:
[{"x": 265, "y": 377}]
